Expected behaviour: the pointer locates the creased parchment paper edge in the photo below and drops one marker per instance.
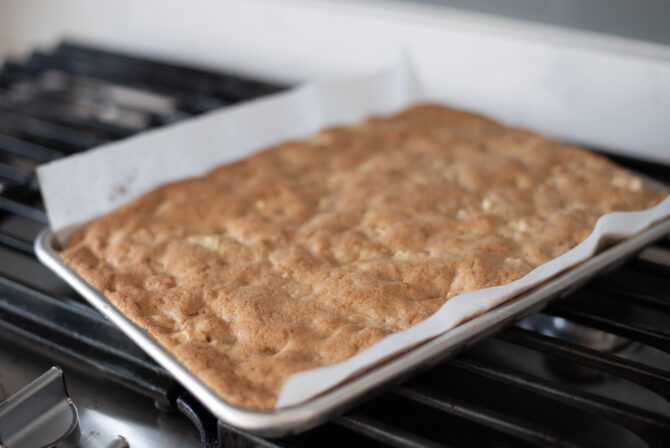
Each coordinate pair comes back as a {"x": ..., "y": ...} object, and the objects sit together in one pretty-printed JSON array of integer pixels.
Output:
[{"x": 616, "y": 226}]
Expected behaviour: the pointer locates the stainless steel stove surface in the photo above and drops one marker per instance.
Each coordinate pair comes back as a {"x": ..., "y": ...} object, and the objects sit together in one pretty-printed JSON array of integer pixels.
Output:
[
  {"x": 592, "y": 369},
  {"x": 106, "y": 410}
]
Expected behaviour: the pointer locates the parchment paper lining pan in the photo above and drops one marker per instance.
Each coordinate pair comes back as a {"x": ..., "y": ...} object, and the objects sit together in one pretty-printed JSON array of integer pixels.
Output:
[{"x": 80, "y": 188}]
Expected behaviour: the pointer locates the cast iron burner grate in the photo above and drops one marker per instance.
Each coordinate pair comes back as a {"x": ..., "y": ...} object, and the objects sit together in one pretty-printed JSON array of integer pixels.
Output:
[{"x": 509, "y": 390}]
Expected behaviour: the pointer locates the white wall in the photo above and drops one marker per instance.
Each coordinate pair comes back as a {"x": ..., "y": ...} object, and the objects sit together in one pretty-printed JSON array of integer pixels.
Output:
[{"x": 601, "y": 91}]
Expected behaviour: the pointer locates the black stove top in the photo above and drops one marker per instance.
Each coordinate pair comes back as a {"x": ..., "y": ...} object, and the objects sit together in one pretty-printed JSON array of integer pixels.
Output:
[{"x": 522, "y": 387}]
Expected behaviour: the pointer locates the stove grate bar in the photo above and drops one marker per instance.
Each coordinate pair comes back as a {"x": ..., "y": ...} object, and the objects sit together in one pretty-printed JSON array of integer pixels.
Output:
[
  {"x": 187, "y": 102},
  {"x": 647, "y": 376},
  {"x": 651, "y": 427},
  {"x": 65, "y": 138},
  {"x": 15, "y": 243},
  {"x": 229, "y": 436},
  {"x": 147, "y": 383},
  {"x": 32, "y": 296},
  {"x": 205, "y": 422},
  {"x": 634, "y": 282},
  {"x": 228, "y": 87},
  {"x": 512, "y": 426},
  {"x": 633, "y": 297},
  {"x": 149, "y": 380},
  {"x": 66, "y": 318},
  {"x": 99, "y": 97},
  {"x": 27, "y": 149},
  {"x": 383, "y": 432},
  {"x": 601, "y": 321},
  {"x": 103, "y": 111},
  {"x": 61, "y": 115},
  {"x": 17, "y": 177},
  {"x": 23, "y": 210},
  {"x": 664, "y": 243}
]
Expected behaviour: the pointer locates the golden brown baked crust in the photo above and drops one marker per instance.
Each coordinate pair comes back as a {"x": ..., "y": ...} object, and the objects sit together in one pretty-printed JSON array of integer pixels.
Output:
[{"x": 309, "y": 252}]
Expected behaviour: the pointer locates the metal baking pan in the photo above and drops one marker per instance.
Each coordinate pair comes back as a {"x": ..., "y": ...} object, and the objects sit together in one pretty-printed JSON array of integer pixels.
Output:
[{"x": 311, "y": 413}]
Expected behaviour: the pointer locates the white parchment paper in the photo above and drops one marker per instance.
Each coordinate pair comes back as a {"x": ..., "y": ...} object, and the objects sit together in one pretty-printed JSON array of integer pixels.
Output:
[{"x": 82, "y": 187}]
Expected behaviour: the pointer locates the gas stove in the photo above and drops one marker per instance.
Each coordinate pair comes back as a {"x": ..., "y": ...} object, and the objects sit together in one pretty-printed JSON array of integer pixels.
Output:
[{"x": 592, "y": 369}]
